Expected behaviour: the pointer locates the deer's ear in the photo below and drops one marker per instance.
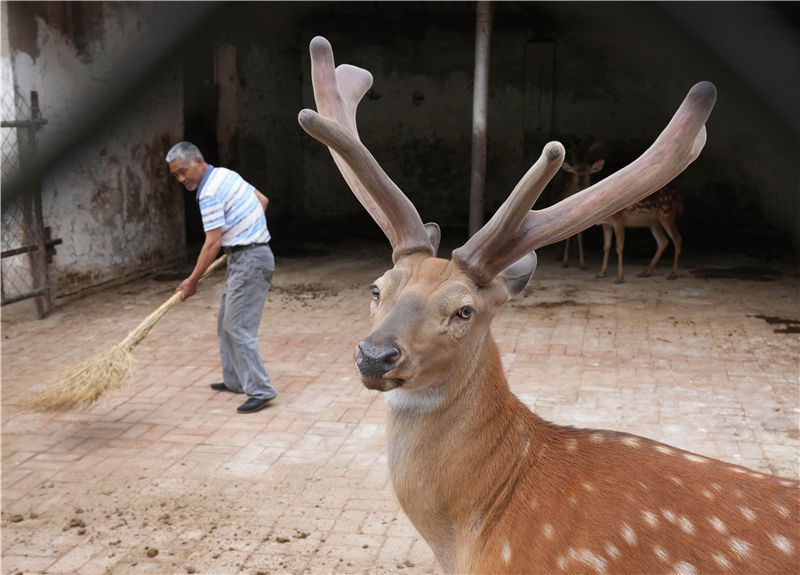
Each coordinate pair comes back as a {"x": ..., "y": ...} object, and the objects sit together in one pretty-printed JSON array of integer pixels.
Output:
[
  {"x": 516, "y": 276},
  {"x": 597, "y": 166},
  {"x": 567, "y": 167},
  {"x": 434, "y": 235}
]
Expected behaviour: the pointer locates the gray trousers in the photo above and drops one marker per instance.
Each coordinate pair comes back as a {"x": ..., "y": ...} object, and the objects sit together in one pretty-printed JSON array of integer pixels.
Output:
[{"x": 249, "y": 277}]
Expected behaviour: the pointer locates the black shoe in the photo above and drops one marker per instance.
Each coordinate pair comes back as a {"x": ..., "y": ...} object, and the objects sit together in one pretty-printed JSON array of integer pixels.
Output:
[
  {"x": 253, "y": 404},
  {"x": 221, "y": 387}
]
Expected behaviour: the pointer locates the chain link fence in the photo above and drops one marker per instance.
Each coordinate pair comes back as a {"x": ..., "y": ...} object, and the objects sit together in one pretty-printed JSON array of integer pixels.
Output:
[{"x": 26, "y": 246}]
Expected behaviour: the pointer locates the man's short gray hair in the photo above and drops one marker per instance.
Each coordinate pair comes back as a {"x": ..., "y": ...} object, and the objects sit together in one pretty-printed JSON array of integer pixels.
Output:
[{"x": 185, "y": 151}]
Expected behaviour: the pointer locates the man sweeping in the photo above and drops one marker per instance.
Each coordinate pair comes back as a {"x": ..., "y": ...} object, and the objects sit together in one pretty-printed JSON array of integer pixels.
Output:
[{"x": 233, "y": 213}]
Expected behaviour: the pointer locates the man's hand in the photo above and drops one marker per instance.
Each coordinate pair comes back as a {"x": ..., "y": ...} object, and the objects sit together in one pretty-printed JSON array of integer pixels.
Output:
[
  {"x": 187, "y": 288},
  {"x": 207, "y": 255}
]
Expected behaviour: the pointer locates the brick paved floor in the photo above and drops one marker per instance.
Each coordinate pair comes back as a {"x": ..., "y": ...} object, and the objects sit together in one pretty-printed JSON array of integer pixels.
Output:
[{"x": 167, "y": 465}]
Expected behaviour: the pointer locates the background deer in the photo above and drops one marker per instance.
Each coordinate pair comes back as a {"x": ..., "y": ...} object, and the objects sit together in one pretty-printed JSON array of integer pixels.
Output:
[
  {"x": 492, "y": 487},
  {"x": 657, "y": 211},
  {"x": 580, "y": 177}
]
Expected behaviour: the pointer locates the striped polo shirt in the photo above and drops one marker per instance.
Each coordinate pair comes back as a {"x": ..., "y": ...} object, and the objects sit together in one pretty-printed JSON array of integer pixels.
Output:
[{"x": 227, "y": 201}]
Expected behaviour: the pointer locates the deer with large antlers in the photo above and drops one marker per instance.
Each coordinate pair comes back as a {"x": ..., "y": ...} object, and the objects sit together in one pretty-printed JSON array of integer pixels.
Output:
[{"x": 492, "y": 487}]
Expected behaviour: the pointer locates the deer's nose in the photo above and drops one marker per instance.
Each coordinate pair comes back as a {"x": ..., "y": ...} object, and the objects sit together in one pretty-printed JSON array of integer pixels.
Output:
[{"x": 376, "y": 361}]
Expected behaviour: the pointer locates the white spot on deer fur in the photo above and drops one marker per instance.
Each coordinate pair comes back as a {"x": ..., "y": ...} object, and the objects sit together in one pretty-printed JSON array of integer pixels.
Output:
[
  {"x": 717, "y": 524},
  {"x": 676, "y": 480},
  {"x": 506, "y": 552},
  {"x": 583, "y": 556},
  {"x": 572, "y": 444},
  {"x": 748, "y": 513},
  {"x": 651, "y": 518},
  {"x": 631, "y": 441},
  {"x": 628, "y": 534},
  {"x": 588, "y": 487},
  {"x": 740, "y": 548},
  {"x": 612, "y": 550},
  {"x": 661, "y": 553},
  {"x": 717, "y": 486},
  {"x": 669, "y": 515},
  {"x": 598, "y": 437},
  {"x": 684, "y": 568},
  {"x": 738, "y": 470},
  {"x": 664, "y": 449},
  {"x": 573, "y": 500},
  {"x": 738, "y": 493},
  {"x": 721, "y": 560},
  {"x": 594, "y": 561},
  {"x": 534, "y": 503},
  {"x": 527, "y": 448},
  {"x": 782, "y": 543},
  {"x": 548, "y": 530},
  {"x": 686, "y": 526},
  {"x": 708, "y": 494},
  {"x": 782, "y": 510},
  {"x": 789, "y": 484},
  {"x": 695, "y": 458}
]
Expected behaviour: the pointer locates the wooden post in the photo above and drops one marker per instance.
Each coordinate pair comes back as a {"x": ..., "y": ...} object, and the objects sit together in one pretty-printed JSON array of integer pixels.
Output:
[
  {"x": 39, "y": 258},
  {"x": 483, "y": 32}
]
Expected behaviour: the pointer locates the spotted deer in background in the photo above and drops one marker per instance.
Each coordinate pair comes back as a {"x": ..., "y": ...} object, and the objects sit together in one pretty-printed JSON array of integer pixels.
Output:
[
  {"x": 657, "y": 211},
  {"x": 492, "y": 487},
  {"x": 580, "y": 177}
]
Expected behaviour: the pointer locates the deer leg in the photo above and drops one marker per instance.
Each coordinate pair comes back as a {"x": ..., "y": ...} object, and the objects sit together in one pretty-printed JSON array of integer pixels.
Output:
[
  {"x": 565, "y": 261},
  {"x": 619, "y": 231},
  {"x": 608, "y": 231},
  {"x": 663, "y": 242},
  {"x": 677, "y": 241},
  {"x": 581, "y": 261}
]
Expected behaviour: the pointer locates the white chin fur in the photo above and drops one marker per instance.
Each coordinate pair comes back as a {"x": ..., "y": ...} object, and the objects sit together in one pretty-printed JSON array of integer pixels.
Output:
[{"x": 420, "y": 401}]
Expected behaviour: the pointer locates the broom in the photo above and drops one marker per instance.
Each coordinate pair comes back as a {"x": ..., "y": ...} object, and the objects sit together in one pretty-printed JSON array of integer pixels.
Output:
[{"x": 106, "y": 371}]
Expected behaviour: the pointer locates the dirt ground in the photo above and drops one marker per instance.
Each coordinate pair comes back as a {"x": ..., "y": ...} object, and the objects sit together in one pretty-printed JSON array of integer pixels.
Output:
[{"x": 165, "y": 477}]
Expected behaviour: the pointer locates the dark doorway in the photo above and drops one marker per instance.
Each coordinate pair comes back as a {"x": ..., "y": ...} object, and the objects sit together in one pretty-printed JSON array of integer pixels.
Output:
[{"x": 200, "y": 107}]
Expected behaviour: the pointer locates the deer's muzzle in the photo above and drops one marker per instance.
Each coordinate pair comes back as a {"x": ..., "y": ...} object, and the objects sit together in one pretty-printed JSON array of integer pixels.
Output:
[{"x": 374, "y": 362}]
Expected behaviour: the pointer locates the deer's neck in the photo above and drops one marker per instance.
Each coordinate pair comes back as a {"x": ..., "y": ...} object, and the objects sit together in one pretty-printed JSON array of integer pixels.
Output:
[{"x": 454, "y": 451}]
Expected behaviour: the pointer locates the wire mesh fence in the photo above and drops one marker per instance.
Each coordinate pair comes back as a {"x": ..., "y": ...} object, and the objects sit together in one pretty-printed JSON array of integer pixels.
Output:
[{"x": 24, "y": 251}]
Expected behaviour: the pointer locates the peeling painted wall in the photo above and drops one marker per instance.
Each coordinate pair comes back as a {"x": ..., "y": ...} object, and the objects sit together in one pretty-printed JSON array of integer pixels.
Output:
[{"x": 110, "y": 199}]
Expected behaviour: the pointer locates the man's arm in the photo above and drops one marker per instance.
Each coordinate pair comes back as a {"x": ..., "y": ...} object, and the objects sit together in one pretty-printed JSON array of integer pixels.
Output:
[
  {"x": 207, "y": 256},
  {"x": 262, "y": 199}
]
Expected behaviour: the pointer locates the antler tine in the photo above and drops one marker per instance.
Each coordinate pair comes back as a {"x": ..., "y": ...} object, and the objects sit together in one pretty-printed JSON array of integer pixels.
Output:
[
  {"x": 676, "y": 147},
  {"x": 500, "y": 230},
  {"x": 337, "y": 93}
]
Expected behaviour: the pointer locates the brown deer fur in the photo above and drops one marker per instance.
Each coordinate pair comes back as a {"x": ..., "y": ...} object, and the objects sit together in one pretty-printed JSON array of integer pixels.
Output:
[
  {"x": 657, "y": 212},
  {"x": 492, "y": 487}
]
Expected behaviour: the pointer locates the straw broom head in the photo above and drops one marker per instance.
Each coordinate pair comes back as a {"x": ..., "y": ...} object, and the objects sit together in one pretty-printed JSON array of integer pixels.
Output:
[
  {"x": 85, "y": 383},
  {"x": 102, "y": 373}
]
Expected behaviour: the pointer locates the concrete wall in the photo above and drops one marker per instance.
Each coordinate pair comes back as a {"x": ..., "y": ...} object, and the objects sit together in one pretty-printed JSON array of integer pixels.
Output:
[
  {"x": 619, "y": 72},
  {"x": 110, "y": 199}
]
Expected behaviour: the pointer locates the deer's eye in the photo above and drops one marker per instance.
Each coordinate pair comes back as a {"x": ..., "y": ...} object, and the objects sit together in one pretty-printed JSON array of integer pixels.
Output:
[
  {"x": 465, "y": 312},
  {"x": 376, "y": 293}
]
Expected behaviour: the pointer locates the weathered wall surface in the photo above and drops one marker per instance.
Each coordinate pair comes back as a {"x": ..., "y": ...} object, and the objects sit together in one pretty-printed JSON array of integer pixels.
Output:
[
  {"x": 620, "y": 71},
  {"x": 110, "y": 199}
]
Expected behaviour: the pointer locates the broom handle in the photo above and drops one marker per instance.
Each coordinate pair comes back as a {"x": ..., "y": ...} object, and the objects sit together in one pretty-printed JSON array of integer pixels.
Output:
[{"x": 138, "y": 334}]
